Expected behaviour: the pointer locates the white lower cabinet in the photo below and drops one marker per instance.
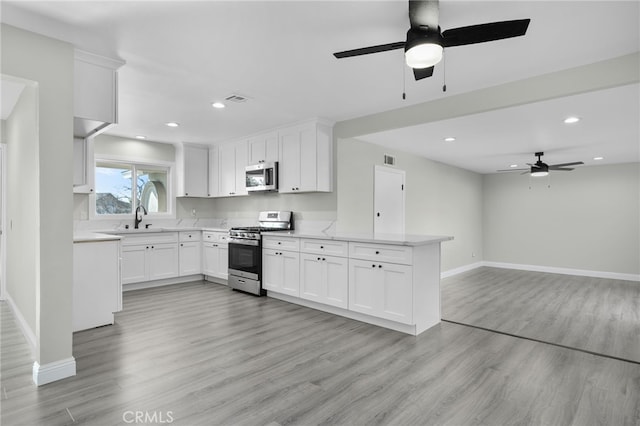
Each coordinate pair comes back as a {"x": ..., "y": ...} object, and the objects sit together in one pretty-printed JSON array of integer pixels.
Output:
[
  {"x": 97, "y": 289},
  {"x": 215, "y": 260},
  {"x": 281, "y": 271},
  {"x": 148, "y": 258},
  {"x": 215, "y": 254},
  {"x": 324, "y": 279},
  {"x": 383, "y": 290},
  {"x": 190, "y": 253},
  {"x": 190, "y": 258}
]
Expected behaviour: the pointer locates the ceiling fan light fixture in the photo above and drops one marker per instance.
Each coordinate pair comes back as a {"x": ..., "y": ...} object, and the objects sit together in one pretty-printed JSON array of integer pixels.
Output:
[
  {"x": 423, "y": 55},
  {"x": 539, "y": 173}
]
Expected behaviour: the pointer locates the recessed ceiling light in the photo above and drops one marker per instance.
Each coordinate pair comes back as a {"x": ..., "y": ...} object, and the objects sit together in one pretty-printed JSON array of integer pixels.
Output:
[
  {"x": 172, "y": 124},
  {"x": 513, "y": 166},
  {"x": 449, "y": 139},
  {"x": 571, "y": 120},
  {"x": 218, "y": 105},
  {"x": 598, "y": 158},
  {"x": 141, "y": 137}
]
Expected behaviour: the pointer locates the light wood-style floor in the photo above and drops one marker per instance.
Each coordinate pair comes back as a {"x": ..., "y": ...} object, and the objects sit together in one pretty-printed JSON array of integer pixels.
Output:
[
  {"x": 201, "y": 354},
  {"x": 592, "y": 314}
]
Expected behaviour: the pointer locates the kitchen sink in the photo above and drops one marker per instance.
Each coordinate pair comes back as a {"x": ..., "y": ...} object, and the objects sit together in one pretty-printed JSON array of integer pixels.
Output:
[{"x": 132, "y": 231}]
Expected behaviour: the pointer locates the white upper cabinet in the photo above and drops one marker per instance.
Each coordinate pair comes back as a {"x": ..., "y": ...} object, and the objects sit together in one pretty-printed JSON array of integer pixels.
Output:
[
  {"x": 95, "y": 93},
  {"x": 232, "y": 161},
  {"x": 263, "y": 148},
  {"x": 306, "y": 158},
  {"x": 214, "y": 172},
  {"x": 83, "y": 166},
  {"x": 192, "y": 163}
]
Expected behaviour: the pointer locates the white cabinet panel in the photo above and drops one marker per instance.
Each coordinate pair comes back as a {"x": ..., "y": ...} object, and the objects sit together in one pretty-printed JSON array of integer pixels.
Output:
[
  {"x": 263, "y": 148},
  {"x": 190, "y": 258},
  {"x": 306, "y": 158},
  {"x": 215, "y": 260},
  {"x": 281, "y": 271},
  {"x": 192, "y": 163},
  {"x": 214, "y": 172},
  {"x": 163, "y": 261},
  {"x": 151, "y": 260},
  {"x": 83, "y": 166},
  {"x": 281, "y": 243},
  {"x": 232, "y": 162},
  {"x": 384, "y": 290},
  {"x": 324, "y": 279},
  {"x": 97, "y": 289},
  {"x": 134, "y": 264}
]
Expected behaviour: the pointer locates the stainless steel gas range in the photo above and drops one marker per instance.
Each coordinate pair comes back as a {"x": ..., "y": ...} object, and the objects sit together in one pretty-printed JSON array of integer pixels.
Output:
[{"x": 245, "y": 250}]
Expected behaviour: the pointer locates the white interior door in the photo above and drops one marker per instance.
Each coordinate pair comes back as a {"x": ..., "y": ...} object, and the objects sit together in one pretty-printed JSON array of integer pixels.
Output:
[{"x": 388, "y": 200}]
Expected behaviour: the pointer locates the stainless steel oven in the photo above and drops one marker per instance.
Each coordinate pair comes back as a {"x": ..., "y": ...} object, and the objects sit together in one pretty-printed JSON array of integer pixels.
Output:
[
  {"x": 245, "y": 264},
  {"x": 245, "y": 251}
]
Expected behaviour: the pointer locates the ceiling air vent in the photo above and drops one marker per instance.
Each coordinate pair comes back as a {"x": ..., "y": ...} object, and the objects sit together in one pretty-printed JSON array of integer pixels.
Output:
[
  {"x": 236, "y": 98},
  {"x": 389, "y": 160}
]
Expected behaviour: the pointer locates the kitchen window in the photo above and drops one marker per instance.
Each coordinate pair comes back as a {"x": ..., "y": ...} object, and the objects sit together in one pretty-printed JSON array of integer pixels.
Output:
[{"x": 122, "y": 186}]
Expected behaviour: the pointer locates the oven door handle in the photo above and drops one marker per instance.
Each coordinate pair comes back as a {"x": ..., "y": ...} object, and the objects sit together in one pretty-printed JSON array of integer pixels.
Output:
[{"x": 244, "y": 242}]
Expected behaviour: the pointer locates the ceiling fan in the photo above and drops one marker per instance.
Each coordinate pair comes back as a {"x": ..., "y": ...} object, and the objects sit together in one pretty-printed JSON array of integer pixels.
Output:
[
  {"x": 542, "y": 169},
  {"x": 425, "y": 42}
]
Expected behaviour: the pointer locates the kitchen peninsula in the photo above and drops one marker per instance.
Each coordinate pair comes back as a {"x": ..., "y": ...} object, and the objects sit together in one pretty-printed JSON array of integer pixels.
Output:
[{"x": 392, "y": 281}]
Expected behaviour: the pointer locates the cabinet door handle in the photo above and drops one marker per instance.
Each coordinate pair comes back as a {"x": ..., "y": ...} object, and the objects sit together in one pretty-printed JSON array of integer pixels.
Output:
[
  {"x": 186, "y": 193},
  {"x": 322, "y": 247},
  {"x": 147, "y": 247},
  {"x": 377, "y": 252},
  {"x": 379, "y": 266},
  {"x": 279, "y": 242},
  {"x": 318, "y": 258},
  {"x": 324, "y": 259},
  {"x": 181, "y": 245},
  {"x": 373, "y": 266}
]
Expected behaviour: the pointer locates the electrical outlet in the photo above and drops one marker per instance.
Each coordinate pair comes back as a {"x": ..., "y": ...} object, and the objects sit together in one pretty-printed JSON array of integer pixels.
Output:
[
  {"x": 193, "y": 212},
  {"x": 473, "y": 254}
]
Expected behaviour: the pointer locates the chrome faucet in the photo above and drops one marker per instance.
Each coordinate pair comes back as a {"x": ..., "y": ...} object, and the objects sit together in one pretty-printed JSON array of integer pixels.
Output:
[{"x": 138, "y": 217}]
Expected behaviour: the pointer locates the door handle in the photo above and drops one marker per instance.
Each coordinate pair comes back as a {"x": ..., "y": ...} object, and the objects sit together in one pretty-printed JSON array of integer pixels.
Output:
[{"x": 378, "y": 214}]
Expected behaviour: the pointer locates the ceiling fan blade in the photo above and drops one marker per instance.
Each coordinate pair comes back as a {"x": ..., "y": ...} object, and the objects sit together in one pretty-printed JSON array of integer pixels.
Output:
[
  {"x": 561, "y": 170},
  {"x": 512, "y": 170},
  {"x": 575, "y": 163},
  {"x": 484, "y": 32},
  {"x": 424, "y": 13},
  {"x": 420, "y": 73},
  {"x": 369, "y": 50}
]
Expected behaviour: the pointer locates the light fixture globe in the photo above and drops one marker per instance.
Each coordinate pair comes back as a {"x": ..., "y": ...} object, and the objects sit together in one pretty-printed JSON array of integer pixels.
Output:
[{"x": 422, "y": 49}]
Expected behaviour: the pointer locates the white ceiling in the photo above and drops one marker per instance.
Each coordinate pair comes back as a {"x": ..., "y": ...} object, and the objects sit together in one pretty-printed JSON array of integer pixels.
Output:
[{"x": 182, "y": 55}]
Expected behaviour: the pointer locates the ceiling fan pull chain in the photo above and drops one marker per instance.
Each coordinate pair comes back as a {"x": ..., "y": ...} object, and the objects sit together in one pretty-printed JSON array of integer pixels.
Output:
[
  {"x": 444, "y": 72},
  {"x": 404, "y": 81}
]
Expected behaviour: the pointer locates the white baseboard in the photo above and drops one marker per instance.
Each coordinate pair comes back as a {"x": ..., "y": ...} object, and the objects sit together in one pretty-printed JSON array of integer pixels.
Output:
[
  {"x": 538, "y": 268},
  {"x": 53, "y": 371},
  {"x": 160, "y": 283},
  {"x": 461, "y": 269},
  {"x": 564, "y": 271},
  {"x": 28, "y": 334}
]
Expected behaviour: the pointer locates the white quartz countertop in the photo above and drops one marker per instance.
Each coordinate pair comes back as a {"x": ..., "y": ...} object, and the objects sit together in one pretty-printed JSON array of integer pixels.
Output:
[
  {"x": 152, "y": 230},
  {"x": 92, "y": 237},
  {"x": 396, "y": 239}
]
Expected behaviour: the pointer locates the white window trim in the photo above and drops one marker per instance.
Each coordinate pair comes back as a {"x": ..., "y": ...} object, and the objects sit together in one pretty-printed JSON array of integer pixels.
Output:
[{"x": 171, "y": 199}]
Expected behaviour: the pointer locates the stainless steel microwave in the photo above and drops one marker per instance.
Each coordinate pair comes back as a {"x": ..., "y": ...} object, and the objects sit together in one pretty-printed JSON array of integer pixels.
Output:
[{"x": 262, "y": 177}]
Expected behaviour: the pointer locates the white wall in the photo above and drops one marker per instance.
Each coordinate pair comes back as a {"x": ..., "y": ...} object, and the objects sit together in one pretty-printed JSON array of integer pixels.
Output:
[
  {"x": 23, "y": 219},
  {"x": 589, "y": 219},
  {"x": 48, "y": 62},
  {"x": 440, "y": 199}
]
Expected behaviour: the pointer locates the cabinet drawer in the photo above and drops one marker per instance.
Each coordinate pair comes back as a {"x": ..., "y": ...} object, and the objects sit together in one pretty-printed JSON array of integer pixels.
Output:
[
  {"x": 381, "y": 253},
  {"x": 215, "y": 237},
  {"x": 152, "y": 238},
  {"x": 190, "y": 236},
  {"x": 281, "y": 243},
  {"x": 327, "y": 247}
]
